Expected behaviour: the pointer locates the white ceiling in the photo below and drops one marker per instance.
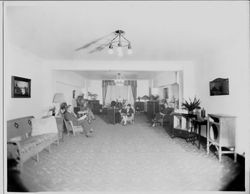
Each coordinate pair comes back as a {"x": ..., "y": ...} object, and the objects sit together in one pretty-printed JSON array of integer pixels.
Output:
[{"x": 161, "y": 30}]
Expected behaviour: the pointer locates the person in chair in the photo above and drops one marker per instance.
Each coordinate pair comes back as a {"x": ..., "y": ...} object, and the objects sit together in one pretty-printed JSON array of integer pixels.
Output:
[
  {"x": 128, "y": 114},
  {"x": 69, "y": 115}
]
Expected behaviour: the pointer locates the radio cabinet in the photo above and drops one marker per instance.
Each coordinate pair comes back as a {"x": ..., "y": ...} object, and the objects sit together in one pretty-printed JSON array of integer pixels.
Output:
[{"x": 221, "y": 134}]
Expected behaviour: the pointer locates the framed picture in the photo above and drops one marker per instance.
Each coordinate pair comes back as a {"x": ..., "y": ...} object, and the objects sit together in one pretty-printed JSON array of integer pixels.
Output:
[
  {"x": 219, "y": 86},
  {"x": 20, "y": 87}
]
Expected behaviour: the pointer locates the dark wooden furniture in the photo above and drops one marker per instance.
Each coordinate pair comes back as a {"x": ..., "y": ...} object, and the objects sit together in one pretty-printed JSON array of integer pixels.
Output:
[
  {"x": 111, "y": 115},
  {"x": 139, "y": 106},
  {"x": 197, "y": 123},
  {"x": 95, "y": 106},
  {"x": 167, "y": 118},
  {"x": 221, "y": 134},
  {"x": 152, "y": 109}
]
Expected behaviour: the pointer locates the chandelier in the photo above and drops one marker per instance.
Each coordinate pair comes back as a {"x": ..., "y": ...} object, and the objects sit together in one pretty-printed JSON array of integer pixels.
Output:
[
  {"x": 119, "y": 81},
  {"x": 119, "y": 41}
]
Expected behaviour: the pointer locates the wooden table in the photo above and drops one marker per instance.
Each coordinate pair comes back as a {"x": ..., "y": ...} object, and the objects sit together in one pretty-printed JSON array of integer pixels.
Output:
[
  {"x": 198, "y": 123},
  {"x": 181, "y": 130}
]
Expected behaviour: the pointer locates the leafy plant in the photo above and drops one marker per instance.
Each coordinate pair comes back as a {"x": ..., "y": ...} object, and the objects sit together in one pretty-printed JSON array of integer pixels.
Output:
[{"x": 191, "y": 105}]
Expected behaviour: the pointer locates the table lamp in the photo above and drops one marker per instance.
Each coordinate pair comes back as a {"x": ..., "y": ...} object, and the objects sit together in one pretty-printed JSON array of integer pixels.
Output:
[{"x": 57, "y": 100}]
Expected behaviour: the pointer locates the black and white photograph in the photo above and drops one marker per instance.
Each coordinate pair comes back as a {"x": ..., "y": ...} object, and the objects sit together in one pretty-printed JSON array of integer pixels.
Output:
[
  {"x": 21, "y": 87},
  {"x": 125, "y": 96}
]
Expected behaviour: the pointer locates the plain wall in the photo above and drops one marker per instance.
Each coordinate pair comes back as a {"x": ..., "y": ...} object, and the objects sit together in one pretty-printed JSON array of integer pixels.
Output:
[
  {"x": 65, "y": 82},
  {"x": 229, "y": 61},
  {"x": 23, "y": 64}
]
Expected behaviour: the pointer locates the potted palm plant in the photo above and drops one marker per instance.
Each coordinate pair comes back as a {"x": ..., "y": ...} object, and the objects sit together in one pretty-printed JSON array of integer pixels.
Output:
[{"x": 191, "y": 105}]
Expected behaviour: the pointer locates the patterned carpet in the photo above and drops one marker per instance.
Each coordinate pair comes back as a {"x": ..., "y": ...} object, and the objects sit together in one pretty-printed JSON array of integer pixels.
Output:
[{"x": 127, "y": 158}]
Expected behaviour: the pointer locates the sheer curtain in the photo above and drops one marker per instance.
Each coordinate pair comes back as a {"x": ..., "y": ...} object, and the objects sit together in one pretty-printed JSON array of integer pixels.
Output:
[{"x": 119, "y": 92}]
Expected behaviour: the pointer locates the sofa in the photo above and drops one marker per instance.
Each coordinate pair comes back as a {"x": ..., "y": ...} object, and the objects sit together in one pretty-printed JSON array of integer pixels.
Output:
[{"x": 27, "y": 137}]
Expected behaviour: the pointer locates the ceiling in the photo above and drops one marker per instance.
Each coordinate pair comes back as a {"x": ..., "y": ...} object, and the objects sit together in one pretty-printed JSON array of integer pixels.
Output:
[{"x": 161, "y": 30}]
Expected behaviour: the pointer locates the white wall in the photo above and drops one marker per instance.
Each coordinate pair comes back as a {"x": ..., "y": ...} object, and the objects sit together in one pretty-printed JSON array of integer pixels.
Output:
[
  {"x": 186, "y": 66},
  {"x": 24, "y": 64},
  {"x": 95, "y": 87},
  {"x": 230, "y": 61},
  {"x": 65, "y": 82},
  {"x": 44, "y": 83},
  {"x": 163, "y": 79}
]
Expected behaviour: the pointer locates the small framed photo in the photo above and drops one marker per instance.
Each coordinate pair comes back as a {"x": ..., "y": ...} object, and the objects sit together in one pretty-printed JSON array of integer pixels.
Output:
[{"x": 20, "y": 87}]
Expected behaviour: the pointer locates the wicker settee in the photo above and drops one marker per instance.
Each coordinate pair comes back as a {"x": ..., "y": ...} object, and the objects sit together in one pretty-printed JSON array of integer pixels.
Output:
[{"x": 23, "y": 142}]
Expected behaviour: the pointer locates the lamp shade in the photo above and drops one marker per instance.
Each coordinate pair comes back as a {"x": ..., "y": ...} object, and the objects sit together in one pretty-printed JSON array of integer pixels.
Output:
[{"x": 58, "y": 98}]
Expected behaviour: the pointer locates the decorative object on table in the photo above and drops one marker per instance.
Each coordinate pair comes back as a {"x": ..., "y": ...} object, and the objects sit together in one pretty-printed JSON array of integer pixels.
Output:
[
  {"x": 114, "y": 39},
  {"x": 191, "y": 105},
  {"x": 154, "y": 97},
  {"x": 145, "y": 97},
  {"x": 20, "y": 87},
  {"x": 203, "y": 113},
  {"x": 113, "y": 104},
  {"x": 92, "y": 96},
  {"x": 219, "y": 86}
]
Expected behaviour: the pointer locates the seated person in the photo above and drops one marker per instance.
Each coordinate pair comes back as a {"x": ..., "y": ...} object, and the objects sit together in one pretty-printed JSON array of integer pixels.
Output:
[
  {"x": 123, "y": 113},
  {"x": 127, "y": 114},
  {"x": 85, "y": 109},
  {"x": 69, "y": 115},
  {"x": 158, "y": 117}
]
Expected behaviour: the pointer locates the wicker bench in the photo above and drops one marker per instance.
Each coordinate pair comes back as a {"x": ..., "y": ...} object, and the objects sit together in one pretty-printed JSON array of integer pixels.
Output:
[{"x": 21, "y": 145}]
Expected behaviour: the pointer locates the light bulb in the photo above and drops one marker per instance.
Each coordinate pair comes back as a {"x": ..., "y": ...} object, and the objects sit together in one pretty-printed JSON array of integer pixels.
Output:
[
  {"x": 119, "y": 51},
  {"x": 130, "y": 51},
  {"x": 110, "y": 51}
]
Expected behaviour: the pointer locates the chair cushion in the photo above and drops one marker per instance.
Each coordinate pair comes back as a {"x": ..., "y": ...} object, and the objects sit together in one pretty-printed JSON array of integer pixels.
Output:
[{"x": 43, "y": 126}]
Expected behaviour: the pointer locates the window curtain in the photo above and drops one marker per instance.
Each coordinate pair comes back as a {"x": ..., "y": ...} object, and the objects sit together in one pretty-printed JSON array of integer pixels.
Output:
[
  {"x": 133, "y": 84},
  {"x": 106, "y": 83},
  {"x": 115, "y": 93}
]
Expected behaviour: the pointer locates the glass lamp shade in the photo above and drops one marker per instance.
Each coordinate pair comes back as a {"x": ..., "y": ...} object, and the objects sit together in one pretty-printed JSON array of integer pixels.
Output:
[
  {"x": 58, "y": 98},
  {"x": 130, "y": 51},
  {"x": 119, "y": 51},
  {"x": 110, "y": 51}
]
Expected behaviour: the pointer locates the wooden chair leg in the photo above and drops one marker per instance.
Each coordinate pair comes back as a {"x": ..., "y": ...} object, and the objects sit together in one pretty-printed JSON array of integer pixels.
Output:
[
  {"x": 49, "y": 150},
  {"x": 37, "y": 157}
]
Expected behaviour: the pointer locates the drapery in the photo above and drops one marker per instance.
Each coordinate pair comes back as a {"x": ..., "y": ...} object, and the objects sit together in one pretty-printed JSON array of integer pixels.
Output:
[
  {"x": 106, "y": 83},
  {"x": 115, "y": 93}
]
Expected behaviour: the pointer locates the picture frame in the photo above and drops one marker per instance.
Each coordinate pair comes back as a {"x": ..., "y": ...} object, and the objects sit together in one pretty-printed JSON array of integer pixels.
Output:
[
  {"x": 20, "y": 87},
  {"x": 219, "y": 86}
]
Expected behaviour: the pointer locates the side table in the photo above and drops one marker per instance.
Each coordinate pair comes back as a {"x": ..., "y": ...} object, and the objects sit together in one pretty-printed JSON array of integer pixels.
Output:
[{"x": 198, "y": 123}]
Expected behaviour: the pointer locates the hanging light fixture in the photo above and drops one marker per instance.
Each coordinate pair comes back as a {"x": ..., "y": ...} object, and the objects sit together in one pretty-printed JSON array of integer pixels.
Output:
[
  {"x": 119, "y": 41},
  {"x": 119, "y": 81}
]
